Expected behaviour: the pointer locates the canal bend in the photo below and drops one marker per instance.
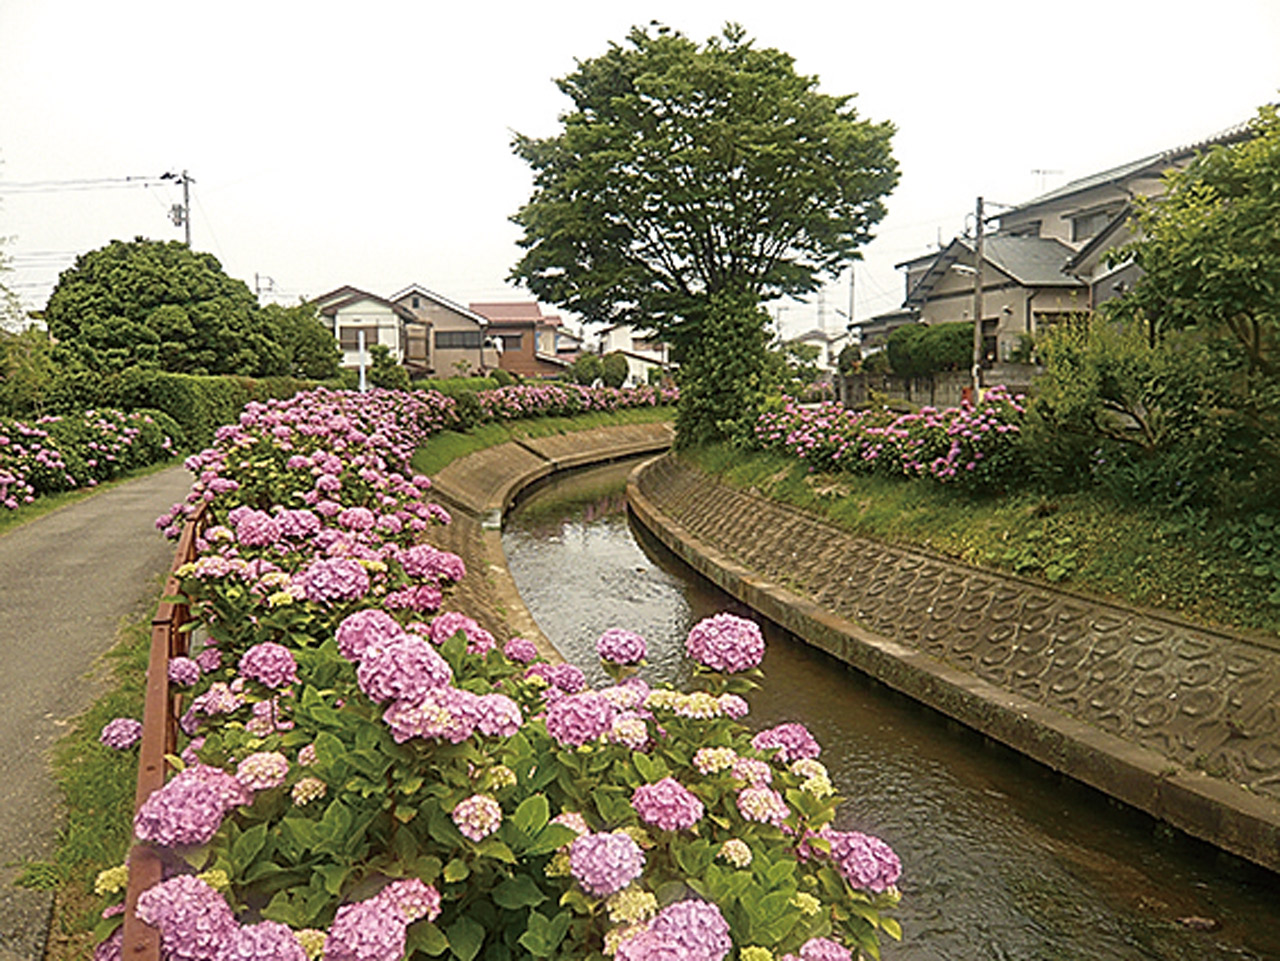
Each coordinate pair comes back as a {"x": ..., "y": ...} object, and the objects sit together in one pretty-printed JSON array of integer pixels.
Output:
[{"x": 1003, "y": 859}]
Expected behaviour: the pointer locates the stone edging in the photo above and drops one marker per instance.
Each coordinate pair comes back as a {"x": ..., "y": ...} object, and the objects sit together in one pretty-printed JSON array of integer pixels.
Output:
[
  {"x": 1021, "y": 709},
  {"x": 480, "y": 488}
]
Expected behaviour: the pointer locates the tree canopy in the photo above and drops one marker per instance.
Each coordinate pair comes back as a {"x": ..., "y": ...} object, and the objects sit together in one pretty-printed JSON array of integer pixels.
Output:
[
  {"x": 686, "y": 171},
  {"x": 1209, "y": 247},
  {"x": 159, "y": 304}
]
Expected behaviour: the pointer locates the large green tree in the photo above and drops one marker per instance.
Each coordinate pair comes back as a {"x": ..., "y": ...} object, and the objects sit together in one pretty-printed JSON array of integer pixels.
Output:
[
  {"x": 1209, "y": 248},
  {"x": 685, "y": 173},
  {"x": 159, "y": 304},
  {"x": 311, "y": 351}
]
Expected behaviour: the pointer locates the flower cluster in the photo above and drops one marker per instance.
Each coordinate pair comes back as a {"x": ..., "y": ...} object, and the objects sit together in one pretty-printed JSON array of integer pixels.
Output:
[
  {"x": 54, "y": 454},
  {"x": 968, "y": 445},
  {"x": 605, "y": 863},
  {"x": 726, "y": 643},
  {"x": 121, "y": 733}
]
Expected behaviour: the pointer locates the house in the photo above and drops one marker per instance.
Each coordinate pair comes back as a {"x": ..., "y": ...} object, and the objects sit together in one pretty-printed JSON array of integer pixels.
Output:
[
  {"x": 644, "y": 353},
  {"x": 353, "y": 314},
  {"x": 457, "y": 339},
  {"x": 1046, "y": 258},
  {"x": 829, "y": 344},
  {"x": 529, "y": 339}
]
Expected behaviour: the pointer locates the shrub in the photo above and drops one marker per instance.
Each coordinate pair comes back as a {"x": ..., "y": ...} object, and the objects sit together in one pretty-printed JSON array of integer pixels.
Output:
[
  {"x": 614, "y": 369},
  {"x": 363, "y": 762},
  {"x": 502, "y": 378}
]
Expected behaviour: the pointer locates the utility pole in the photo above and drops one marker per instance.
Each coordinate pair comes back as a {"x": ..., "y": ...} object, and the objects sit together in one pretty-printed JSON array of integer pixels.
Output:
[
  {"x": 180, "y": 214},
  {"x": 977, "y": 307}
]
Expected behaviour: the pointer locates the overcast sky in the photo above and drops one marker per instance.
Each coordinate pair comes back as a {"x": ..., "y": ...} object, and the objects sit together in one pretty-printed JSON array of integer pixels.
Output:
[{"x": 369, "y": 143}]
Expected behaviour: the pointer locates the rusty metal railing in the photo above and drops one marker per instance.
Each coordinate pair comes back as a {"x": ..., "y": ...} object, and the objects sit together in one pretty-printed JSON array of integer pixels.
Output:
[{"x": 159, "y": 737}]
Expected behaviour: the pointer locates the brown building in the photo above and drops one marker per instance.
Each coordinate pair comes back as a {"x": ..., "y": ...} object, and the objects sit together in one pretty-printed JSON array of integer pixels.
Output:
[{"x": 528, "y": 337}]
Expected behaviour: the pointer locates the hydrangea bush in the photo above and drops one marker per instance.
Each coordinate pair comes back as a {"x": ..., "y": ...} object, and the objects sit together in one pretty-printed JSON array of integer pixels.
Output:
[
  {"x": 53, "y": 454},
  {"x": 966, "y": 446},
  {"x": 366, "y": 775}
]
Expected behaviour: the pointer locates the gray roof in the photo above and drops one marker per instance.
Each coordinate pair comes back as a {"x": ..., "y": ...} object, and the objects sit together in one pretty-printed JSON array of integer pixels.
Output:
[
  {"x": 1154, "y": 163},
  {"x": 1030, "y": 261}
]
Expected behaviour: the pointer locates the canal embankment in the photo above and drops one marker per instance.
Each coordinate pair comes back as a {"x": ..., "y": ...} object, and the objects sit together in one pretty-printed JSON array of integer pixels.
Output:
[
  {"x": 1174, "y": 719},
  {"x": 1179, "y": 721}
]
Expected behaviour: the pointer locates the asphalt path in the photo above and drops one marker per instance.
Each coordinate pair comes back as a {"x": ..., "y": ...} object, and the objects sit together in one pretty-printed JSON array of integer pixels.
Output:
[{"x": 67, "y": 580}]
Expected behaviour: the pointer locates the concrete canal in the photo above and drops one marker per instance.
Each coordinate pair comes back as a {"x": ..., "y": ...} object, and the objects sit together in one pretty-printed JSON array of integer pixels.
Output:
[{"x": 1003, "y": 859}]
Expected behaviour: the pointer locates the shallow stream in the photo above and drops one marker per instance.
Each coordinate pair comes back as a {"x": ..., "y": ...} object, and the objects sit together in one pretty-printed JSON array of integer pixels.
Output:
[{"x": 1002, "y": 858}]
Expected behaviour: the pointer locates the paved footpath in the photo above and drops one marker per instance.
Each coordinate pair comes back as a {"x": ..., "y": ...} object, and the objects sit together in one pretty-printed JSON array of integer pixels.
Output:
[{"x": 66, "y": 582}]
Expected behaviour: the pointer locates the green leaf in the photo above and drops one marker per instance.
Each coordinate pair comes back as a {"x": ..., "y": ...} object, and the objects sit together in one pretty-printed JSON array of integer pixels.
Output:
[
  {"x": 465, "y": 938},
  {"x": 550, "y": 838},
  {"x": 493, "y": 848},
  {"x": 532, "y": 814},
  {"x": 424, "y": 936},
  {"x": 248, "y": 844},
  {"x": 334, "y": 876},
  {"x": 536, "y": 937},
  {"x": 518, "y": 892},
  {"x": 456, "y": 870}
]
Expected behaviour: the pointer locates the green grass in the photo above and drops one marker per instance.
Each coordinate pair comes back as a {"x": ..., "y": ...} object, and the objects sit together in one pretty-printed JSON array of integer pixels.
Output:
[
  {"x": 1080, "y": 541},
  {"x": 444, "y": 448},
  {"x": 97, "y": 785},
  {"x": 47, "y": 504}
]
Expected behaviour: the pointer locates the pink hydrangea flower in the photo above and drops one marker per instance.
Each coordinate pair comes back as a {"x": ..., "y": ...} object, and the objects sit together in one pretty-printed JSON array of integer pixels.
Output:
[
  {"x": 792, "y": 740},
  {"x": 726, "y": 643},
  {"x": 369, "y": 626},
  {"x": 621, "y": 647},
  {"x": 667, "y": 804},
  {"x": 193, "y": 919},
  {"x": 270, "y": 664},
  {"x": 477, "y": 816},
  {"x": 121, "y": 733},
  {"x": 403, "y": 669},
  {"x": 520, "y": 650},
  {"x": 577, "y": 719},
  {"x": 605, "y": 863}
]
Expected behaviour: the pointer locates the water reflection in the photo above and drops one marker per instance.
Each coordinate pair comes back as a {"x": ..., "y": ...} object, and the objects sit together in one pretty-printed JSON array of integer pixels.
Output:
[{"x": 1002, "y": 858}]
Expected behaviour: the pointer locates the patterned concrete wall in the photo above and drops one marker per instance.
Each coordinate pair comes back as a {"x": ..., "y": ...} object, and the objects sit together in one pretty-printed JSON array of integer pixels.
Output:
[{"x": 1181, "y": 721}]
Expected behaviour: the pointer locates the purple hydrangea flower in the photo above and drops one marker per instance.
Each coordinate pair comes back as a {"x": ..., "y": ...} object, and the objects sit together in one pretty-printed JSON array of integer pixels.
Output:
[
  {"x": 403, "y": 669},
  {"x": 792, "y": 740},
  {"x": 372, "y": 930},
  {"x": 413, "y": 898},
  {"x": 565, "y": 676},
  {"x": 209, "y": 660},
  {"x": 335, "y": 579},
  {"x": 577, "y": 719},
  {"x": 193, "y": 919},
  {"x": 693, "y": 930},
  {"x": 520, "y": 650},
  {"x": 370, "y": 626},
  {"x": 183, "y": 671},
  {"x": 726, "y": 643},
  {"x": 667, "y": 804},
  {"x": 121, "y": 733},
  {"x": 256, "y": 529},
  {"x": 621, "y": 647},
  {"x": 186, "y": 810},
  {"x": 271, "y": 664},
  {"x": 449, "y": 623},
  {"x": 424, "y": 562},
  {"x": 497, "y": 714},
  {"x": 604, "y": 864},
  {"x": 265, "y": 941},
  {"x": 864, "y": 861},
  {"x": 824, "y": 949}
]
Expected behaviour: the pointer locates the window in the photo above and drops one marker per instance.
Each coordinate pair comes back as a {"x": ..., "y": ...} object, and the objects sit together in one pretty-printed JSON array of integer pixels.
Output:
[
  {"x": 512, "y": 341},
  {"x": 459, "y": 340},
  {"x": 349, "y": 337},
  {"x": 1090, "y": 224},
  {"x": 415, "y": 303}
]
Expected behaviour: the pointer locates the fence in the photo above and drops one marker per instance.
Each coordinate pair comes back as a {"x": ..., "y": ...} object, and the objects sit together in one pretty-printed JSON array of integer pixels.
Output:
[{"x": 159, "y": 737}]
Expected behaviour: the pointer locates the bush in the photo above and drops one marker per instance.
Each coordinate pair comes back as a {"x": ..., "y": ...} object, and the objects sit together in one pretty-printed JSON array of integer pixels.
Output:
[
  {"x": 502, "y": 378},
  {"x": 452, "y": 386},
  {"x": 614, "y": 369},
  {"x": 586, "y": 369},
  {"x": 917, "y": 350}
]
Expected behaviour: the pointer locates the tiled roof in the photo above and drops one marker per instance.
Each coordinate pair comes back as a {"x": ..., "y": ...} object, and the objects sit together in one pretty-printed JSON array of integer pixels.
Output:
[{"x": 509, "y": 310}]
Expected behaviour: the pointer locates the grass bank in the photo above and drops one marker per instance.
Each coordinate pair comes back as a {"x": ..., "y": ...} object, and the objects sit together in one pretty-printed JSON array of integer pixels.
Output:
[
  {"x": 1077, "y": 541},
  {"x": 449, "y": 445}
]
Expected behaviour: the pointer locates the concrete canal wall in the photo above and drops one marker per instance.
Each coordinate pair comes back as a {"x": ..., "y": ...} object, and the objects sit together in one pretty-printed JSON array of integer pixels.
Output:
[{"x": 1176, "y": 720}]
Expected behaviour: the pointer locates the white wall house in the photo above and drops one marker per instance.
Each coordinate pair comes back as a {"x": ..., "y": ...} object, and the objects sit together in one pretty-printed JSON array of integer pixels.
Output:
[
  {"x": 643, "y": 352},
  {"x": 350, "y": 312}
]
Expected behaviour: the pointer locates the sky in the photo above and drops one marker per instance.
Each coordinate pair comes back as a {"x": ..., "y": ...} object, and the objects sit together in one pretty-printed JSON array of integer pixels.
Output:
[{"x": 369, "y": 143}]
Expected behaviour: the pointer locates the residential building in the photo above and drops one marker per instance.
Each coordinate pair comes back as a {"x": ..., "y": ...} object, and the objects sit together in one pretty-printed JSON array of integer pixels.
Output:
[
  {"x": 644, "y": 352},
  {"x": 829, "y": 344},
  {"x": 456, "y": 338},
  {"x": 1044, "y": 261},
  {"x": 354, "y": 315},
  {"x": 529, "y": 338}
]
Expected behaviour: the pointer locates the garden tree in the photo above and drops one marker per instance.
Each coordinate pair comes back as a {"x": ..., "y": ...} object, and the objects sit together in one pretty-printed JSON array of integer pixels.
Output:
[
  {"x": 850, "y": 360},
  {"x": 311, "y": 351},
  {"x": 386, "y": 372},
  {"x": 159, "y": 304},
  {"x": 792, "y": 365},
  {"x": 614, "y": 369},
  {"x": 27, "y": 372},
  {"x": 586, "y": 369},
  {"x": 1209, "y": 248},
  {"x": 917, "y": 350},
  {"x": 687, "y": 173}
]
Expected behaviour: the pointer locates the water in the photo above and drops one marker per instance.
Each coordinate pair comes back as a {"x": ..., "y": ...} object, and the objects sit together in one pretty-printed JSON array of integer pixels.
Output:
[{"x": 1002, "y": 858}]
